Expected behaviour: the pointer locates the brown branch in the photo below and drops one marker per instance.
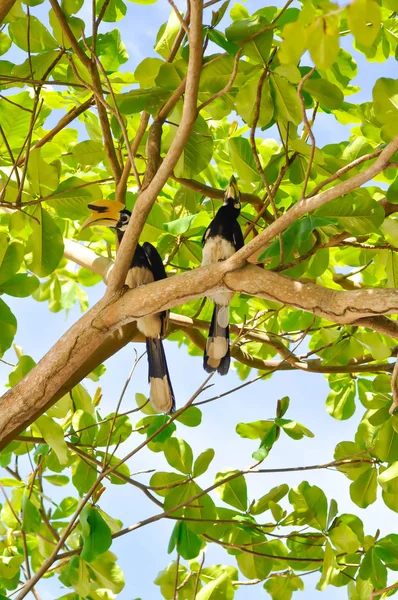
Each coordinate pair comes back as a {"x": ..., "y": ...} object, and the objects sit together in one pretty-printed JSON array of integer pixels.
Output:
[
  {"x": 5, "y": 7},
  {"x": 308, "y": 127},
  {"x": 310, "y": 204},
  {"x": 227, "y": 87},
  {"x": 146, "y": 199},
  {"x": 122, "y": 184},
  {"x": 394, "y": 388}
]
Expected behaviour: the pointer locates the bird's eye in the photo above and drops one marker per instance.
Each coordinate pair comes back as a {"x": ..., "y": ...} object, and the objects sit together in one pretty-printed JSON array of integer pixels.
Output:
[{"x": 124, "y": 218}]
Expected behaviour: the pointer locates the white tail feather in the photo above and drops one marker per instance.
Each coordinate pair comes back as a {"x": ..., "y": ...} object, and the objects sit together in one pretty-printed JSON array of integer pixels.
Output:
[{"x": 160, "y": 394}]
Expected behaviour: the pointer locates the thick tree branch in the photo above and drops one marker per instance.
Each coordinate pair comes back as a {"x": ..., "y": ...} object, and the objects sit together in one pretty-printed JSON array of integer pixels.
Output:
[
  {"x": 148, "y": 196},
  {"x": 5, "y": 7}
]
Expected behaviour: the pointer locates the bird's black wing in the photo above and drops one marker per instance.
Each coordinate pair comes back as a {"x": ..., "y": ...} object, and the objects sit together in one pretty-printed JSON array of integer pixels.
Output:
[
  {"x": 239, "y": 242},
  {"x": 159, "y": 272},
  {"x": 155, "y": 261}
]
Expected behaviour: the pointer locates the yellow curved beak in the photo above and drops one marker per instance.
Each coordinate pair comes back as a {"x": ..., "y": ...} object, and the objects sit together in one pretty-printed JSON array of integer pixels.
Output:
[
  {"x": 104, "y": 212},
  {"x": 232, "y": 190}
]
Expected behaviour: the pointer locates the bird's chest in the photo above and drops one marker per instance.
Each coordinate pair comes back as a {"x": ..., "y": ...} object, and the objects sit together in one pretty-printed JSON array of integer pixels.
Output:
[
  {"x": 216, "y": 248},
  {"x": 138, "y": 276}
]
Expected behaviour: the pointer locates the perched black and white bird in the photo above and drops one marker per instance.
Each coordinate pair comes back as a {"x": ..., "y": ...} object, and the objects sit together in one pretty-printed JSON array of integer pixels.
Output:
[
  {"x": 221, "y": 240},
  {"x": 146, "y": 267}
]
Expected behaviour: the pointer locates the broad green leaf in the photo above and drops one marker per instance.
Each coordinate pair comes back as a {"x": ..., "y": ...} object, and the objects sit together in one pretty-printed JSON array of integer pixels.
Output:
[
  {"x": 357, "y": 213},
  {"x": 57, "y": 480},
  {"x": 89, "y": 152},
  {"x": 340, "y": 403},
  {"x": 363, "y": 490},
  {"x": 25, "y": 364},
  {"x": 5, "y": 43},
  {"x": 255, "y": 430},
  {"x": 219, "y": 589},
  {"x": 83, "y": 477},
  {"x": 9, "y": 566},
  {"x": 11, "y": 260},
  {"x": 137, "y": 100},
  {"x": 385, "y": 105},
  {"x": 85, "y": 426},
  {"x": 31, "y": 519},
  {"x": 364, "y": 20},
  {"x": 233, "y": 492},
  {"x": 198, "y": 149},
  {"x": 258, "y": 48},
  {"x": 66, "y": 508},
  {"x": 46, "y": 243},
  {"x": 97, "y": 537},
  {"x": 310, "y": 504},
  {"x": 115, "y": 10},
  {"x": 187, "y": 543},
  {"x": 388, "y": 478},
  {"x": 167, "y": 36},
  {"x": 324, "y": 92},
  {"x": 246, "y": 101},
  {"x": 282, "y": 588},
  {"x": 192, "y": 417},
  {"x": 285, "y": 98},
  {"x": 147, "y": 71},
  {"x": 121, "y": 430},
  {"x": 202, "y": 462},
  {"x": 344, "y": 538},
  {"x": 329, "y": 565},
  {"x": 274, "y": 495},
  {"x": 372, "y": 568},
  {"x": 54, "y": 436},
  {"x": 242, "y": 159},
  {"x": 20, "y": 285},
  {"x": 71, "y": 197},
  {"x": 386, "y": 443},
  {"x": 43, "y": 177},
  {"x": 323, "y": 41},
  {"x": 293, "y": 45},
  {"x": 39, "y": 38},
  {"x": 178, "y": 454},
  {"x": 162, "y": 482}
]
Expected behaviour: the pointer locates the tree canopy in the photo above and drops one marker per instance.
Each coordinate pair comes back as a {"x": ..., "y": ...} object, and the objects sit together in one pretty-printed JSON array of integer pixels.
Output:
[{"x": 228, "y": 90}]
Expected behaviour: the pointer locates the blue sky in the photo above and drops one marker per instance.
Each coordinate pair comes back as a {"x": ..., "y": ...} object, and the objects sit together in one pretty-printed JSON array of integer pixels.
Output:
[{"x": 143, "y": 554}]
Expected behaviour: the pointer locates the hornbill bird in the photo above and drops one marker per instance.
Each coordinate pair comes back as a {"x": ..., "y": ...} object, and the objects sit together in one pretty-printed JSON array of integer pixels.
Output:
[
  {"x": 221, "y": 240},
  {"x": 146, "y": 267}
]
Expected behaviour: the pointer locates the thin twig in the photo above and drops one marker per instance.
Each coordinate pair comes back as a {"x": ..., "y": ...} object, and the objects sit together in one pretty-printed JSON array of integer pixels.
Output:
[{"x": 308, "y": 127}]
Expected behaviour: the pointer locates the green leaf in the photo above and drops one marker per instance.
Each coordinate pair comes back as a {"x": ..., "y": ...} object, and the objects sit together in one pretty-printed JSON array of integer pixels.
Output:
[
  {"x": 165, "y": 482},
  {"x": 242, "y": 160},
  {"x": 46, "y": 243},
  {"x": 179, "y": 455},
  {"x": 340, "y": 403},
  {"x": 282, "y": 588},
  {"x": 282, "y": 406},
  {"x": 115, "y": 10},
  {"x": 372, "y": 568},
  {"x": 188, "y": 544},
  {"x": 198, "y": 149},
  {"x": 286, "y": 101},
  {"x": 324, "y": 92},
  {"x": 233, "y": 492},
  {"x": 364, "y": 20},
  {"x": 31, "y": 519},
  {"x": 202, "y": 462},
  {"x": 258, "y": 48},
  {"x": 167, "y": 36},
  {"x": 85, "y": 426},
  {"x": 386, "y": 444},
  {"x": 255, "y": 430},
  {"x": 43, "y": 177},
  {"x": 89, "y": 152},
  {"x": 192, "y": 417},
  {"x": 344, "y": 538},
  {"x": 293, "y": 44},
  {"x": 83, "y": 476},
  {"x": 39, "y": 37},
  {"x": 310, "y": 505},
  {"x": 25, "y": 364},
  {"x": 274, "y": 495},
  {"x": 329, "y": 565},
  {"x": 57, "y": 480},
  {"x": 11, "y": 259},
  {"x": 385, "y": 104},
  {"x": 357, "y": 213},
  {"x": 364, "y": 489},
  {"x": 54, "y": 436},
  {"x": 20, "y": 285},
  {"x": 9, "y": 566},
  {"x": 323, "y": 41},
  {"x": 147, "y": 71},
  {"x": 121, "y": 430},
  {"x": 138, "y": 100},
  {"x": 66, "y": 508},
  {"x": 70, "y": 199},
  {"x": 219, "y": 589},
  {"x": 246, "y": 101},
  {"x": 5, "y": 43},
  {"x": 96, "y": 533}
]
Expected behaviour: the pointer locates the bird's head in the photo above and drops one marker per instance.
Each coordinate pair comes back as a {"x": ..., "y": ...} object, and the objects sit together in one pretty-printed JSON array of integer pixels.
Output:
[
  {"x": 108, "y": 213},
  {"x": 232, "y": 194}
]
